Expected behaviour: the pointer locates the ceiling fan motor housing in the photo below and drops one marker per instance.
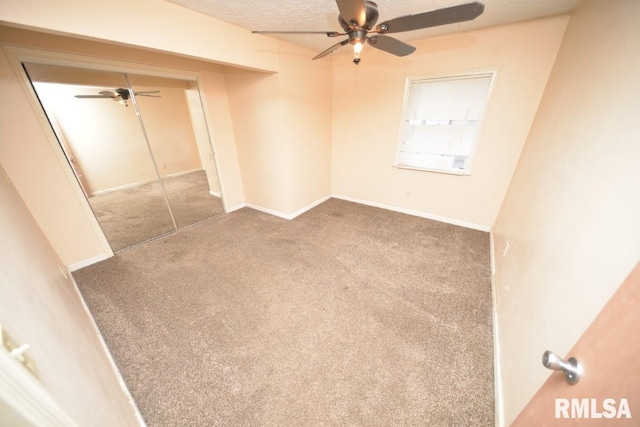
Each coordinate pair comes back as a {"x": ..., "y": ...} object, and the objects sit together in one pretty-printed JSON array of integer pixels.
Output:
[
  {"x": 124, "y": 93},
  {"x": 371, "y": 13}
]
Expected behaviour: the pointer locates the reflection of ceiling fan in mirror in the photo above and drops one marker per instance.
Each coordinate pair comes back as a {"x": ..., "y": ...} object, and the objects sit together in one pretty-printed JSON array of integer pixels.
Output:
[
  {"x": 358, "y": 17},
  {"x": 121, "y": 95}
]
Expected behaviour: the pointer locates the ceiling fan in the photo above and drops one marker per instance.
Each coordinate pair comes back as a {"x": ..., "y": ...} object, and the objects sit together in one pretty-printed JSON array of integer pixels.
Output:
[
  {"x": 358, "y": 17},
  {"x": 121, "y": 95}
]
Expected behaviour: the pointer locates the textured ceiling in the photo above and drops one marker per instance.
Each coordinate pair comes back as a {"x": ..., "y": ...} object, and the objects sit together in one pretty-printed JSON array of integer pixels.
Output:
[{"x": 322, "y": 15}]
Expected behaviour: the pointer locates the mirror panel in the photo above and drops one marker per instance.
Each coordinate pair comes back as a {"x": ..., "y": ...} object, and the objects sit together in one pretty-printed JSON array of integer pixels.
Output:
[
  {"x": 175, "y": 127},
  {"x": 99, "y": 132}
]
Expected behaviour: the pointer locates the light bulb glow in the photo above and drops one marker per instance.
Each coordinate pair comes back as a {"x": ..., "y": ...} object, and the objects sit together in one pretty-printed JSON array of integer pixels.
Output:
[{"x": 357, "y": 48}]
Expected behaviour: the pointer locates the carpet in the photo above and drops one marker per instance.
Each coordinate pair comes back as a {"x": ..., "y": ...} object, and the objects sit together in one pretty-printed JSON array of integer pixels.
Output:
[
  {"x": 347, "y": 315},
  {"x": 134, "y": 215},
  {"x": 190, "y": 199}
]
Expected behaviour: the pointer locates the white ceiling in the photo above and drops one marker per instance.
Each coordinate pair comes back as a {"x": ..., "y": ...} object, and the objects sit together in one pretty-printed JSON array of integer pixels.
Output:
[{"x": 322, "y": 15}]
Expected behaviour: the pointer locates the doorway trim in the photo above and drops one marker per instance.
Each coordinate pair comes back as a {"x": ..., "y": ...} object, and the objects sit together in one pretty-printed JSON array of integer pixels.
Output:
[{"x": 23, "y": 393}]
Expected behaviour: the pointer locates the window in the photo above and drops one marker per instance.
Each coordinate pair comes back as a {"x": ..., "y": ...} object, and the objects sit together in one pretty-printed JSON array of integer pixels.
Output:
[{"x": 441, "y": 122}]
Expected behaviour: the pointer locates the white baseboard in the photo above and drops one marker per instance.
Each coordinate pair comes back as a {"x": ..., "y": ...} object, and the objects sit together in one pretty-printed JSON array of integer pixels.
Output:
[
  {"x": 112, "y": 362},
  {"x": 312, "y": 205},
  {"x": 121, "y": 187},
  {"x": 214, "y": 194},
  {"x": 497, "y": 376},
  {"x": 139, "y": 183},
  {"x": 87, "y": 262},
  {"x": 309, "y": 207},
  {"x": 268, "y": 211},
  {"x": 420, "y": 214},
  {"x": 236, "y": 207},
  {"x": 291, "y": 215},
  {"x": 187, "y": 172}
]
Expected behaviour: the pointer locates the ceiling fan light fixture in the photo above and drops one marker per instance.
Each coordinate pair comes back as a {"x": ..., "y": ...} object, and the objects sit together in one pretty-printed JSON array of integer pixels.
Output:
[
  {"x": 357, "y": 38},
  {"x": 357, "y": 48}
]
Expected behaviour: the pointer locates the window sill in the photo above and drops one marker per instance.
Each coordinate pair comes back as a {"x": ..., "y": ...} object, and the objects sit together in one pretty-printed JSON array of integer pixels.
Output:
[{"x": 458, "y": 173}]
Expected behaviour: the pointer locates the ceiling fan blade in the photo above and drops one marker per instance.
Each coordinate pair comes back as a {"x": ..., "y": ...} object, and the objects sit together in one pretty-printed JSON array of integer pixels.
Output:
[
  {"x": 146, "y": 91},
  {"x": 94, "y": 96},
  {"x": 150, "y": 96},
  {"x": 353, "y": 10},
  {"x": 449, "y": 15},
  {"x": 327, "y": 33},
  {"x": 331, "y": 49},
  {"x": 391, "y": 45}
]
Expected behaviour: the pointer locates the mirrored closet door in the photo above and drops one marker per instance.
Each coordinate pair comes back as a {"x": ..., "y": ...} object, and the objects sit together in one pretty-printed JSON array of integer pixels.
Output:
[
  {"x": 176, "y": 129},
  {"x": 138, "y": 146}
]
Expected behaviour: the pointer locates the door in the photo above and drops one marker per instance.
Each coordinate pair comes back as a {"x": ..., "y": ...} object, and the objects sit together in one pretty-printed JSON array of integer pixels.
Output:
[{"x": 608, "y": 394}]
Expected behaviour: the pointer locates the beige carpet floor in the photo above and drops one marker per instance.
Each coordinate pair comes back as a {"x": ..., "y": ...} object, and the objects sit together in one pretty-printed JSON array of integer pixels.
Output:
[
  {"x": 133, "y": 215},
  {"x": 190, "y": 199},
  {"x": 347, "y": 315}
]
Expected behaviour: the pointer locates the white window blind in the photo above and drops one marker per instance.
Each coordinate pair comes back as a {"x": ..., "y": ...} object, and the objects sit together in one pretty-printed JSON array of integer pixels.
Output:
[{"x": 441, "y": 121}]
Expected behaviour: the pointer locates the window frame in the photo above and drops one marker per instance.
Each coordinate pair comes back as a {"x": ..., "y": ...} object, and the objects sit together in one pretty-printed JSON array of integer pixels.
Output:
[{"x": 493, "y": 72}]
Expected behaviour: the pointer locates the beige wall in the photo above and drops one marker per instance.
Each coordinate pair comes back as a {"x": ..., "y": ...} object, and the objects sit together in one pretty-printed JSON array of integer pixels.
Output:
[
  {"x": 367, "y": 110},
  {"x": 255, "y": 106},
  {"x": 216, "y": 107},
  {"x": 167, "y": 122},
  {"x": 40, "y": 174},
  {"x": 41, "y": 307},
  {"x": 152, "y": 24},
  {"x": 571, "y": 215},
  {"x": 282, "y": 124},
  {"x": 305, "y": 88},
  {"x": 106, "y": 140},
  {"x": 104, "y": 137},
  {"x": 202, "y": 137}
]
